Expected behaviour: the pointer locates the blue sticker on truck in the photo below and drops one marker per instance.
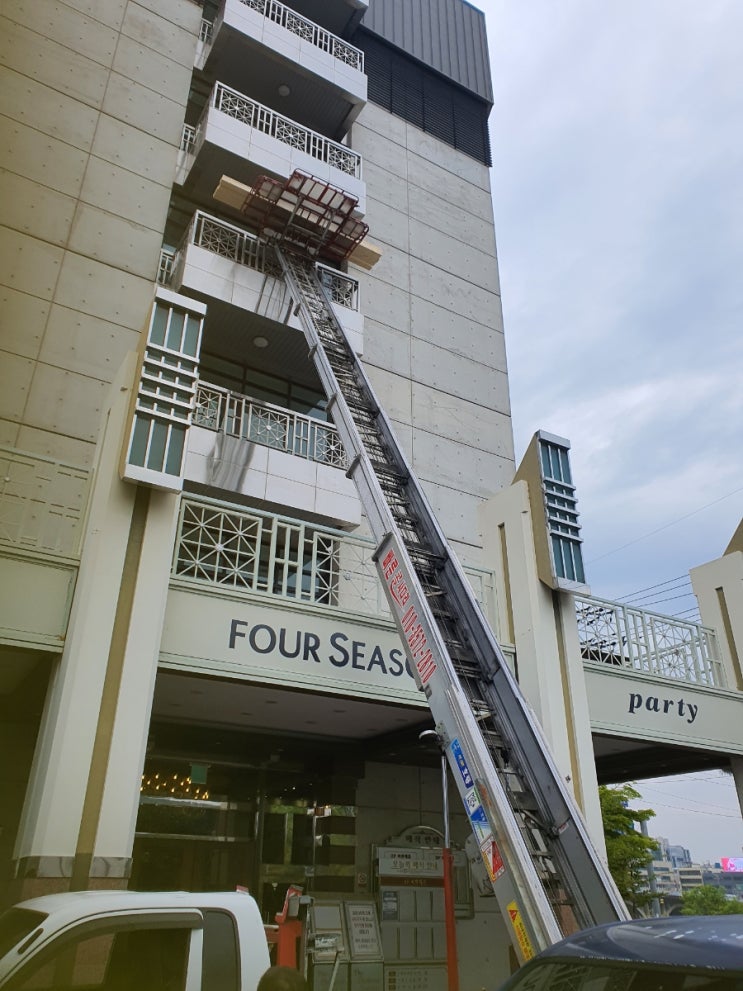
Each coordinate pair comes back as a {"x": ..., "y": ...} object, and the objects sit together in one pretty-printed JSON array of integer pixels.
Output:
[{"x": 461, "y": 763}]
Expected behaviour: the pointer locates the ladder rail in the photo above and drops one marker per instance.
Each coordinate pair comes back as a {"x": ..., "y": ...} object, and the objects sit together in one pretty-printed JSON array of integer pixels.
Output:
[{"x": 558, "y": 834}]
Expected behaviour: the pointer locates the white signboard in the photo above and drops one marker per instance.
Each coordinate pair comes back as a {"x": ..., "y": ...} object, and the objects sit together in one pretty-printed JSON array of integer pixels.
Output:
[
  {"x": 638, "y": 706},
  {"x": 235, "y": 637}
]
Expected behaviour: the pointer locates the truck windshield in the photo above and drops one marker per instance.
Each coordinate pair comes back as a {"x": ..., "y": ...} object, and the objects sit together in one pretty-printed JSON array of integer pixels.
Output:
[{"x": 16, "y": 924}]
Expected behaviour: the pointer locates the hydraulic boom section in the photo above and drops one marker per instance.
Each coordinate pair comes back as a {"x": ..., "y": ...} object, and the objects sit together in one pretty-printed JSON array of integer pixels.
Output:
[{"x": 546, "y": 875}]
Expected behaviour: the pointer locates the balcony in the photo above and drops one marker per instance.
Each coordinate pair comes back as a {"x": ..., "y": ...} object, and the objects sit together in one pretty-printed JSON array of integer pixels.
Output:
[
  {"x": 239, "y": 137},
  {"x": 647, "y": 643},
  {"x": 285, "y": 59},
  {"x": 269, "y": 453},
  {"x": 219, "y": 260}
]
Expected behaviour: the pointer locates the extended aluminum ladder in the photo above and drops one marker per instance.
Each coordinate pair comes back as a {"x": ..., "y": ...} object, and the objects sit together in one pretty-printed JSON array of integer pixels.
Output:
[{"x": 547, "y": 877}]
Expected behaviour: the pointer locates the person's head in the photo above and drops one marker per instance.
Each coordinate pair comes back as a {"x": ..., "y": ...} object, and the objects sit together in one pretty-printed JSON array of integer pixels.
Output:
[{"x": 282, "y": 979}]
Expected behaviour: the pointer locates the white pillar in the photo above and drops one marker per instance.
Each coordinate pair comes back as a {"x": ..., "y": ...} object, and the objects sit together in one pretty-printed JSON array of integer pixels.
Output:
[
  {"x": 81, "y": 804},
  {"x": 543, "y": 628}
]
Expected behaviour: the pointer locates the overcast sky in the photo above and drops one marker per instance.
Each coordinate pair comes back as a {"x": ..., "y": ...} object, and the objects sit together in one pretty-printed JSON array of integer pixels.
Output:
[{"x": 617, "y": 139}]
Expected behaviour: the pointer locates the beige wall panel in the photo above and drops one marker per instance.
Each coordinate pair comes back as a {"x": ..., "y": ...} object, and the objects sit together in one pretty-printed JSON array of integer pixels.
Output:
[
  {"x": 110, "y": 12},
  {"x": 459, "y": 510},
  {"x": 388, "y": 155},
  {"x": 15, "y": 384},
  {"x": 439, "y": 213},
  {"x": 86, "y": 344},
  {"x": 35, "y": 603},
  {"x": 52, "y": 64},
  {"x": 381, "y": 182},
  {"x": 185, "y": 13},
  {"x": 455, "y": 257},
  {"x": 150, "y": 68},
  {"x": 393, "y": 269},
  {"x": 433, "y": 150},
  {"x": 174, "y": 39},
  {"x": 394, "y": 393},
  {"x": 42, "y": 158},
  {"x": 444, "y": 328},
  {"x": 144, "y": 109},
  {"x": 387, "y": 350},
  {"x": 388, "y": 225},
  {"x": 382, "y": 304},
  {"x": 434, "y": 179},
  {"x": 28, "y": 265},
  {"x": 37, "y": 441},
  {"x": 125, "y": 194},
  {"x": 65, "y": 402},
  {"x": 22, "y": 321},
  {"x": 457, "y": 466},
  {"x": 35, "y": 209},
  {"x": 381, "y": 123},
  {"x": 463, "y": 421},
  {"x": 115, "y": 241},
  {"x": 69, "y": 27},
  {"x": 453, "y": 374},
  {"x": 23, "y": 99},
  {"x": 102, "y": 291},
  {"x": 134, "y": 150},
  {"x": 450, "y": 292}
]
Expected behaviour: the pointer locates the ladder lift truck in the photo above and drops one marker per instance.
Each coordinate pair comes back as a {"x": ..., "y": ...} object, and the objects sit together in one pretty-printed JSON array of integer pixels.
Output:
[{"x": 548, "y": 879}]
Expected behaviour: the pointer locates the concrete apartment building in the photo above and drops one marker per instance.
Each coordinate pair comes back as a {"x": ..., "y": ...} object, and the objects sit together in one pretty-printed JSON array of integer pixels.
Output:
[{"x": 201, "y": 684}]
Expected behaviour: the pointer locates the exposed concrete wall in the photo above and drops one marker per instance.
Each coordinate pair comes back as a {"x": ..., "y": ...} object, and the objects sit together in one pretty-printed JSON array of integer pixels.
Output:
[
  {"x": 434, "y": 343},
  {"x": 92, "y": 97}
]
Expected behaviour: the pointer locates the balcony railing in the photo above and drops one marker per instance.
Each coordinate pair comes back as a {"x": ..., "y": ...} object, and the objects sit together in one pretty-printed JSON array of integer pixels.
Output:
[
  {"x": 268, "y": 425},
  {"x": 636, "y": 640},
  {"x": 42, "y": 503},
  {"x": 308, "y": 31},
  {"x": 253, "y": 114},
  {"x": 229, "y": 241},
  {"x": 251, "y": 551}
]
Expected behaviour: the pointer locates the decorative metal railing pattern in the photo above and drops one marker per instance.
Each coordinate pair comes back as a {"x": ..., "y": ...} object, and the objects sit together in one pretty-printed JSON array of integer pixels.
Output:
[
  {"x": 308, "y": 31},
  {"x": 636, "y": 640},
  {"x": 268, "y": 425},
  {"x": 165, "y": 267},
  {"x": 237, "y": 244},
  {"x": 188, "y": 138},
  {"x": 248, "y": 550},
  {"x": 240, "y": 107},
  {"x": 42, "y": 502},
  {"x": 342, "y": 289},
  {"x": 205, "y": 31}
]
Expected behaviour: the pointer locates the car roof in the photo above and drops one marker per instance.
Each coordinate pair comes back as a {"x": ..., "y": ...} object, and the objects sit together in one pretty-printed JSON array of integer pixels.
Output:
[
  {"x": 75, "y": 904},
  {"x": 701, "y": 941}
]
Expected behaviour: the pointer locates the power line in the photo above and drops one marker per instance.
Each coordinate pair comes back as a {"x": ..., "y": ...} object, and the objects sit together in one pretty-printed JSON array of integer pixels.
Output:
[
  {"x": 665, "y": 526},
  {"x": 631, "y": 595}
]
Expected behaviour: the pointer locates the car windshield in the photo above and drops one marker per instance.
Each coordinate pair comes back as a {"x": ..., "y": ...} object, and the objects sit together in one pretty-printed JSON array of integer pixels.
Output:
[
  {"x": 587, "y": 975},
  {"x": 15, "y": 924}
]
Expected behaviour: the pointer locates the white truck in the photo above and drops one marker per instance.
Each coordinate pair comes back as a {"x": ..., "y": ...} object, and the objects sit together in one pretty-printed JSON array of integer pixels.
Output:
[{"x": 133, "y": 941}]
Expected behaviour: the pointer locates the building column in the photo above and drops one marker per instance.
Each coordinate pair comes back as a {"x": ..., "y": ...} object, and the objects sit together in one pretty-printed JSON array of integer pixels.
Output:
[
  {"x": 77, "y": 827},
  {"x": 542, "y": 626}
]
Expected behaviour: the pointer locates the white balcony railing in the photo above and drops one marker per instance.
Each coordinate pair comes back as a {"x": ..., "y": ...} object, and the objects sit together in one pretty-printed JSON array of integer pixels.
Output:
[
  {"x": 229, "y": 241},
  {"x": 636, "y": 640},
  {"x": 42, "y": 503},
  {"x": 253, "y": 114},
  {"x": 250, "y": 551},
  {"x": 308, "y": 31},
  {"x": 271, "y": 426}
]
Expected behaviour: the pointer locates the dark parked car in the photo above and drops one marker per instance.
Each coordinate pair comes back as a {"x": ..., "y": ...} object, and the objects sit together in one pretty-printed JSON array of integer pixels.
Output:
[{"x": 685, "y": 953}]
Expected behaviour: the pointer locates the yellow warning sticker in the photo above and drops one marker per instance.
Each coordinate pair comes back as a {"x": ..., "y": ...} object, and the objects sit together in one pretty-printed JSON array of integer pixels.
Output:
[{"x": 527, "y": 950}]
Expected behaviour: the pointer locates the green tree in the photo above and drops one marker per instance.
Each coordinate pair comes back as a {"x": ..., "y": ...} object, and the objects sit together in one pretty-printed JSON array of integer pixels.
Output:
[
  {"x": 627, "y": 850},
  {"x": 709, "y": 900}
]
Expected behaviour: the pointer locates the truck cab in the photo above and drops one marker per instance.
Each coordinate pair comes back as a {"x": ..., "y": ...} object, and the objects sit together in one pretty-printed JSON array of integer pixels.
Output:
[{"x": 138, "y": 941}]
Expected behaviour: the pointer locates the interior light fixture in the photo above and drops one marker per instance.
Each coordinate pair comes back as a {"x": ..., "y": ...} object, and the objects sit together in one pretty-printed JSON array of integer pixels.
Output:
[
  {"x": 284, "y": 90},
  {"x": 260, "y": 342}
]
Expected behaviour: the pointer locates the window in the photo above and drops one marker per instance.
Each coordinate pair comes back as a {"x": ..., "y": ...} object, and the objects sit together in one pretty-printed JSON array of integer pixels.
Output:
[{"x": 118, "y": 958}]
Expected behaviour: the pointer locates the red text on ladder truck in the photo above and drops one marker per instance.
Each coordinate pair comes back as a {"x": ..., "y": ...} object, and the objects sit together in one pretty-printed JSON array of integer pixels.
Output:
[{"x": 415, "y": 636}]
